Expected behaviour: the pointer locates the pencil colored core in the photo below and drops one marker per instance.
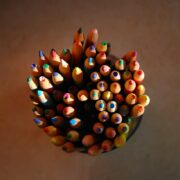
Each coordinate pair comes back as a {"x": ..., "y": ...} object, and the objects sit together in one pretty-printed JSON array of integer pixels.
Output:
[
  {"x": 45, "y": 66},
  {"x": 64, "y": 51},
  {"x": 55, "y": 73},
  {"x": 104, "y": 43},
  {"x": 41, "y": 54}
]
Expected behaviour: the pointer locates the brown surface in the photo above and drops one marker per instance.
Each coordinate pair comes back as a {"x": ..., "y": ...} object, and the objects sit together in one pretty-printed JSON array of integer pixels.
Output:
[{"x": 150, "y": 27}]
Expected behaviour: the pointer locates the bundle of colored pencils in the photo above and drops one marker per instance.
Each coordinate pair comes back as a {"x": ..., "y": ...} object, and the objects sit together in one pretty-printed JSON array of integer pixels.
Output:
[{"x": 83, "y": 100}]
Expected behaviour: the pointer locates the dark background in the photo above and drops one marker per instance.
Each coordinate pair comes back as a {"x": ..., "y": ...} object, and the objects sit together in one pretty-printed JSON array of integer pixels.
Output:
[{"x": 150, "y": 27}]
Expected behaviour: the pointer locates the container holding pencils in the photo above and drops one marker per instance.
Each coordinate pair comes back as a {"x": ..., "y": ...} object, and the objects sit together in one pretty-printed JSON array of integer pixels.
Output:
[{"x": 86, "y": 99}]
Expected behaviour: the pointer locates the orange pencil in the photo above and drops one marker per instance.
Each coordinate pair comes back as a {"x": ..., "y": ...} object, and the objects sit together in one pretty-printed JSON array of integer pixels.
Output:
[
  {"x": 92, "y": 38},
  {"x": 110, "y": 132},
  {"x": 79, "y": 36},
  {"x": 134, "y": 66},
  {"x": 105, "y": 70},
  {"x": 77, "y": 53},
  {"x": 101, "y": 58},
  {"x": 88, "y": 140},
  {"x": 115, "y": 87},
  {"x": 106, "y": 145},
  {"x": 54, "y": 59},
  {"x": 131, "y": 99},
  {"x": 83, "y": 95},
  {"x": 138, "y": 76},
  {"x": 129, "y": 86},
  {"x": 130, "y": 56}
]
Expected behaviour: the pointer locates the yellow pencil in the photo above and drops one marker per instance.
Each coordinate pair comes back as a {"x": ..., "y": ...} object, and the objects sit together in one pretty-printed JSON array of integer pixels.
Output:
[
  {"x": 101, "y": 58},
  {"x": 77, "y": 75}
]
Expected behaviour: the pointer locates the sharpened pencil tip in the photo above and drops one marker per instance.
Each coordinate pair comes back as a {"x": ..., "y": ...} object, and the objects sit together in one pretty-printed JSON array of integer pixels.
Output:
[
  {"x": 79, "y": 30},
  {"x": 41, "y": 54}
]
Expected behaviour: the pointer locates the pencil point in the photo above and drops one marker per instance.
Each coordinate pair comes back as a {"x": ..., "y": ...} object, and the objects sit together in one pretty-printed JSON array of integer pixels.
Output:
[
  {"x": 29, "y": 79},
  {"x": 54, "y": 119},
  {"x": 39, "y": 92},
  {"x": 79, "y": 30},
  {"x": 41, "y": 54},
  {"x": 53, "y": 52},
  {"x": 37, "y": 121},
  {"x": 55, "y": 73},
  {"x": 45, "y": 66},
  {"x": 33, "y": 66},
  {"x": 92, "y": 47},
  {"x": 64, "y": 51}
]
